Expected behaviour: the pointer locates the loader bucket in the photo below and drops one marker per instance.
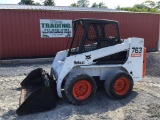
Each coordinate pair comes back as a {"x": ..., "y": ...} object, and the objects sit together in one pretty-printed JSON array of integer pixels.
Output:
[
  {"x": 38, "y": 93},
  {"x": 35, "y": 77}
]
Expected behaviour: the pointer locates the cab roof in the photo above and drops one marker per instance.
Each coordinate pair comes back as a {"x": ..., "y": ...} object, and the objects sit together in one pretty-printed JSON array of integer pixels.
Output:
[{"x": 93, "y": 20}]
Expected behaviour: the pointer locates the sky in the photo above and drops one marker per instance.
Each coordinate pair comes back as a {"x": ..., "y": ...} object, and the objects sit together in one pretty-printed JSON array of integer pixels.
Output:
[{"x": 109, "y": 3}]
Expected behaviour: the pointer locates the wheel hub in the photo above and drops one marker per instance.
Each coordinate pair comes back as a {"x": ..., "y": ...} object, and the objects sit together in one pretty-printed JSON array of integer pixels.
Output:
[
  {"x": 121, "y": 86},
  {"x": 82, "y": 90}
]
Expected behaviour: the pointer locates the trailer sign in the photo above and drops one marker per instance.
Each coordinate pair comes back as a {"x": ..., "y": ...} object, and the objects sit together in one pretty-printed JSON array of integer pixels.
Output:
[{"x": 53, "y": 28}]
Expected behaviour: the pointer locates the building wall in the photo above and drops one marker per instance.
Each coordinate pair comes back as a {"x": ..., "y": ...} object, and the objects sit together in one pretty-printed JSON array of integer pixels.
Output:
[
  {"x": 159, "y": 36},
  {"x": 20, "y": 30},
  {"x": 0, "y": 38}
]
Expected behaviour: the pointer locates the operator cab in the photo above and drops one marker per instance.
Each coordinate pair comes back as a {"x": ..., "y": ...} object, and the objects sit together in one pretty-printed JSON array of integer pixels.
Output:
[{"x": 92, "y": 34}]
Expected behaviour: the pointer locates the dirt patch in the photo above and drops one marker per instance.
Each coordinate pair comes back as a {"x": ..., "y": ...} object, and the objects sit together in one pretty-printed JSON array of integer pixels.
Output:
[
  {"x": 154, "y": 110},
  {"x": 143, "y": 103}
]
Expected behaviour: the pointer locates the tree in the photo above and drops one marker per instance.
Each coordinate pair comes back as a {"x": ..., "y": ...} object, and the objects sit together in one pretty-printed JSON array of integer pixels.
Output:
[
  {"x": 26, "y": 2},
  {"x": 37, "y": 3},
  {"x": 149, "y": 4},
  {"x": 118, "y": 7},
  {"x": 158, "y": 5},
  {"x": 82, "y": 3},
  {"x": 100, "y": 5},
  {"x": 140, "y": 6},
  {"x": 49, "y": 3},
  {"x": 74, "y": 5},
  {"x": 94, "y": 5}
]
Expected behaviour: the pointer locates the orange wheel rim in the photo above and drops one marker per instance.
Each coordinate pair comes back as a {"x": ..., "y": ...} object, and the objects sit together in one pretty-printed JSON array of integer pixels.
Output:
[
  {"x": 121, "y": 86},
  {"x": 82, "y": 90}
]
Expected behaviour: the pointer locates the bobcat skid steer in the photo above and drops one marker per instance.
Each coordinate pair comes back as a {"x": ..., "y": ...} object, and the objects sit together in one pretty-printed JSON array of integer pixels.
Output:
[{"x": 95, "y": 53}]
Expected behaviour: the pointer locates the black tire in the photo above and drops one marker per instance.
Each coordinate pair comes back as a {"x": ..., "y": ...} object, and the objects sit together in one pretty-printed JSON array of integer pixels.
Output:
[
  {"x": 119, "y": 89},
  {"x": 71, "y": 89}
]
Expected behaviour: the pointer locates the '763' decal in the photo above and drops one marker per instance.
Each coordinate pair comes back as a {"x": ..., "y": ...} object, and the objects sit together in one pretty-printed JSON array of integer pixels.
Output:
[{"x": 136, "y": 52}]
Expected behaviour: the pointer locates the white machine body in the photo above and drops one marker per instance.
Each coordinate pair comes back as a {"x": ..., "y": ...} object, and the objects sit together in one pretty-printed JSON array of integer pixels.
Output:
[{"x": 62, "y": 65}]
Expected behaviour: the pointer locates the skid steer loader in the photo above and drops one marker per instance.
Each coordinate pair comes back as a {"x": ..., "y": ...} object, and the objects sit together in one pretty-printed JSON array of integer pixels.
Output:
[{"x": 96, "y": 52}]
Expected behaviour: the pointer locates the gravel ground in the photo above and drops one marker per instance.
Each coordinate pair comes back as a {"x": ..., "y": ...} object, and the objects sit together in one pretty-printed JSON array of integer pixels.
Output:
[{"x": 142, "y": 104}]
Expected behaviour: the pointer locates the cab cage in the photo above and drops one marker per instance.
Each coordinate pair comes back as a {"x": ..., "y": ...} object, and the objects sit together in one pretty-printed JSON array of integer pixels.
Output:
[{"x": 92, "y": 34}]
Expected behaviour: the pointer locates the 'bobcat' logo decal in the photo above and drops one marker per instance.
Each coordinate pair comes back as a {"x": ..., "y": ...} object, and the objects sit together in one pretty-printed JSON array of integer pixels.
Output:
[{"x": 88, "y": 57}]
